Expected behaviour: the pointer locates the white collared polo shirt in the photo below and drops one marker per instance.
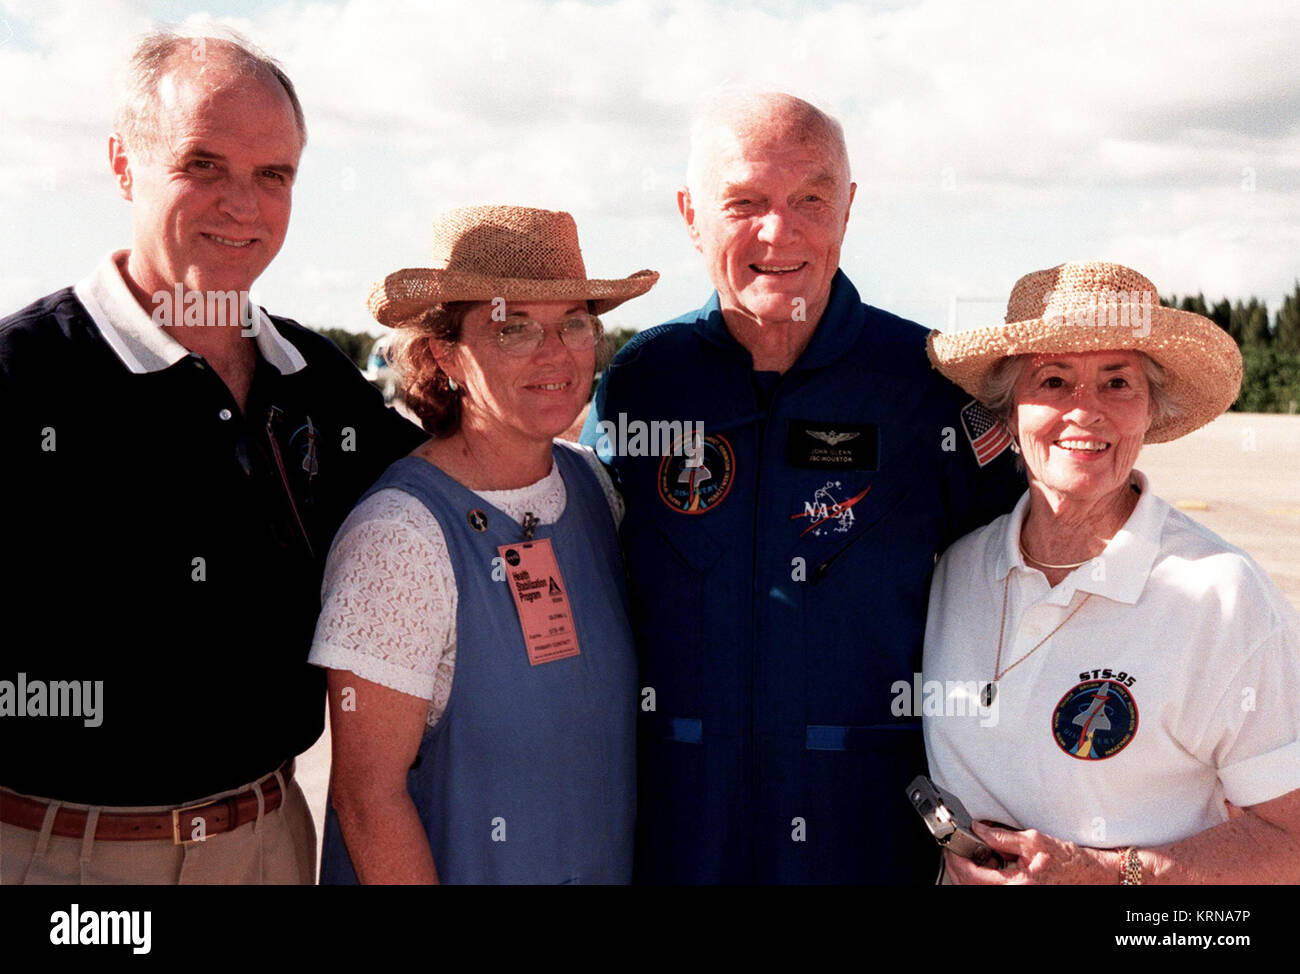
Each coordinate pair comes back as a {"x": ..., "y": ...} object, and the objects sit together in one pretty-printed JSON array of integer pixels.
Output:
[{"x": 1175, "y": 686}]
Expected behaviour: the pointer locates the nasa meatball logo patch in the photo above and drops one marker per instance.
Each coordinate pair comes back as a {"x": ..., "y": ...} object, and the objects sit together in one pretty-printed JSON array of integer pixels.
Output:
[
  {"x": 696, "y": 481},
  {"x": 1095, "y": 720}
]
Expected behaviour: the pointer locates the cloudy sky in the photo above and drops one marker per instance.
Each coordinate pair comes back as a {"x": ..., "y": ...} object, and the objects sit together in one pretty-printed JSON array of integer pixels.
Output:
[{"x": 987, "y": 140}]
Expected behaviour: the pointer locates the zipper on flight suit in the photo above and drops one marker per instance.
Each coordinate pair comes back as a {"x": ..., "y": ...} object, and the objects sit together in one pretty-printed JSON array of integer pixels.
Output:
[{"x": 764, "y": 416}]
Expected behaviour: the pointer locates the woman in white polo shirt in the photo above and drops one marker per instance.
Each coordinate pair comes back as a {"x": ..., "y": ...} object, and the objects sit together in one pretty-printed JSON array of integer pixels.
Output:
[{"x": 1121, "y": 686}]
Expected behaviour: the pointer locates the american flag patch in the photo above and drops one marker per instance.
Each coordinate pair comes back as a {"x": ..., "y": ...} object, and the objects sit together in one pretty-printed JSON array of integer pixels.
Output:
[{"x": 988, "y": 437}]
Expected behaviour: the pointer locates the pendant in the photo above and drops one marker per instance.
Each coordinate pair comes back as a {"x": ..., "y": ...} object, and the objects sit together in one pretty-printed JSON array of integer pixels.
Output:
[{"x": 988, "y": 694}]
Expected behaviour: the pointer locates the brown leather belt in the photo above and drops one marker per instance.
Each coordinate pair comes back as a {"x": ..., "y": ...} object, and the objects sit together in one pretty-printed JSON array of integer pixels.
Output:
[{"x": 180, "y": 825}]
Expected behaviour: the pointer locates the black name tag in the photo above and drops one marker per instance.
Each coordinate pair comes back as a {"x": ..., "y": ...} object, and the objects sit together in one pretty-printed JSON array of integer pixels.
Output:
[{"x": 834, "y": 446}]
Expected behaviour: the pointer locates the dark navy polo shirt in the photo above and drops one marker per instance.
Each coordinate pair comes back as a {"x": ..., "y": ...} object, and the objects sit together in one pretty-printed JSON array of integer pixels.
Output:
[{"x": 163, "y": 542}]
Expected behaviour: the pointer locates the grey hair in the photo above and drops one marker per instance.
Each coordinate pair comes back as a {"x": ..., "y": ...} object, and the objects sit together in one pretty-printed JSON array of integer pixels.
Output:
[
  {"x": 163, "y": 50},
  {"x": 998, "y": 391},
  {"x": 743, "y": 110}
]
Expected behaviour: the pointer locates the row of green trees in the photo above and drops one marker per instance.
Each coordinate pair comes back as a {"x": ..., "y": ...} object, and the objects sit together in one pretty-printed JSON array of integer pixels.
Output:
[
  {"x": 355, "y": 345},
  {"x": 1270, "y": 355},
  {"x": 1270, "y": 352}
]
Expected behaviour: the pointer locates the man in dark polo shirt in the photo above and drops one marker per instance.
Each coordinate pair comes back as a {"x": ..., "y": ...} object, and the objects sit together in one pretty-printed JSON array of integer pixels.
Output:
[{"x": 176, "y": 461}]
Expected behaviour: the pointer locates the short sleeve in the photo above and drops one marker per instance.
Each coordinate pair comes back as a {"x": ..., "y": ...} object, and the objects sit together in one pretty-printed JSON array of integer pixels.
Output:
[
  {"x": 1258, "y": 751},
  {"x": 389, "y": 599}
]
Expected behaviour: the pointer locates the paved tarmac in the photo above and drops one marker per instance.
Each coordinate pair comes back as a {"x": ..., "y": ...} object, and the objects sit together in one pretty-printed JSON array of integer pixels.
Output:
[
  {"x": 1239, "y": 476},
  {"x": 1244, "y": 468}
]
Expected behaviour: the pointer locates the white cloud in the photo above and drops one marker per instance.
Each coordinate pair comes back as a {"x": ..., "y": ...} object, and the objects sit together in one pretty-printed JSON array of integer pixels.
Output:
[{"x": 987, "y": 140}]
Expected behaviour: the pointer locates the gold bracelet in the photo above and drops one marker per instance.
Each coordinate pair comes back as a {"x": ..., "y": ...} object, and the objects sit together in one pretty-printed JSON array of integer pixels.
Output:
[{"x": 1130, "y": 868}]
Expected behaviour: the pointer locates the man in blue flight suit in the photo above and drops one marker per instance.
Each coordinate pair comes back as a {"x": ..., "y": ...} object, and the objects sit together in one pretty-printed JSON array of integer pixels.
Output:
[{"x": 780, "y": 553}]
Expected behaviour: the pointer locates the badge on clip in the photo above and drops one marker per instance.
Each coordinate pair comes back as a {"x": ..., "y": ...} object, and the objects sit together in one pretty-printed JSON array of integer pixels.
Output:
[{"x": 542, "y": 601}]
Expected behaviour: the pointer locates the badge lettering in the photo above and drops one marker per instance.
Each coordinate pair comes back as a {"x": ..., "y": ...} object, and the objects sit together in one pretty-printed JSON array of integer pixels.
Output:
[
  {"x": 832, "y": 445},
  {"x": 541, "y": 600}
]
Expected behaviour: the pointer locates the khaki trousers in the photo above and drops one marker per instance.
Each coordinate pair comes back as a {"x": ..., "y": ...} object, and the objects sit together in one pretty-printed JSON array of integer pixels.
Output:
[{"x": 278, "y": 848}]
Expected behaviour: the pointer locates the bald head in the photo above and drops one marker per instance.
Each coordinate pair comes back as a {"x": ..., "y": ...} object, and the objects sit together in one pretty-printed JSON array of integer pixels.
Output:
[
  {"x": 164, "y": 58},
  {"x": 767, "y": 204},
  {"x": 757, "y": 118}
]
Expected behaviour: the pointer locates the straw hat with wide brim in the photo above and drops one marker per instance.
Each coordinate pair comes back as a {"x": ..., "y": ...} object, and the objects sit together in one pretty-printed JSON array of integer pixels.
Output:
[
  {"x": 1094, "y": 306},
  {"x": 511, "y": 252}
]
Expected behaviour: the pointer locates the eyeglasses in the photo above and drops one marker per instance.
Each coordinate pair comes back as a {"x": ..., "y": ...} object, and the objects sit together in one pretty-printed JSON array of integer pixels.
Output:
[{"x": 523, "y": 336}]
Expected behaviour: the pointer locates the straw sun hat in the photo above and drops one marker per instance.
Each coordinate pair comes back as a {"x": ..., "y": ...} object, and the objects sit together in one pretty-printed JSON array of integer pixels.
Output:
[
  {"x": 510, "y": 252},
  {"x": 1096, "y": 306}
]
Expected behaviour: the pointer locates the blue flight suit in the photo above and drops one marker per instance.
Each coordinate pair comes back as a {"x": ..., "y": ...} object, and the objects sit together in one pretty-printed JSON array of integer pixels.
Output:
[{"x": 779, "y": 573}]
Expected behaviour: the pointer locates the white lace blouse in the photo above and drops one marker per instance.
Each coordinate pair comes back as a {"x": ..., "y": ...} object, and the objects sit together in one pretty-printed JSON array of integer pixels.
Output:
[{"x": 389, "y": 600}]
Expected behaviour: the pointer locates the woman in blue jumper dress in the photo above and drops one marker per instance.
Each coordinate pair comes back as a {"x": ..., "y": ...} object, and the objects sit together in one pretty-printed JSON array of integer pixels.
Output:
[{"x": 481, "y": 672}]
